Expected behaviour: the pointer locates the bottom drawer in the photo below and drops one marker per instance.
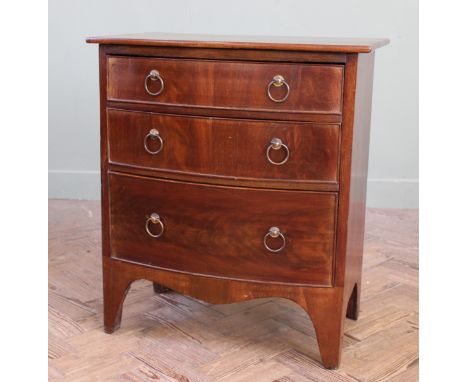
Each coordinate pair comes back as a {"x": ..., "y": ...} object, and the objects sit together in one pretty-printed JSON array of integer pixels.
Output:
[{"x": 223, "y": 231}]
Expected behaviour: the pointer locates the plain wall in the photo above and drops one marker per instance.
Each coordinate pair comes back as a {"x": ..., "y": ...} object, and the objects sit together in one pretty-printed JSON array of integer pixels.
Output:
[{"x": 74, "y": 92}]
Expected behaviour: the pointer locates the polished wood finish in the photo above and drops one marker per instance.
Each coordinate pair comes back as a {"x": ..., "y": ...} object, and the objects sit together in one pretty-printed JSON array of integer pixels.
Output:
[
  {"x": 282, "y": 43},
  {"x": 321, "y": 304},
  {"x": 357, "y": 186},
  {"x": 169, "y": 336},
  {"x": 225, "y": 147},
  {"x": 225, "y": 113},
  {"x": 219, "y": 231},
  {"x": 227, "y": 84},
  {"x": 227, "y": 54},
  {"x": 222, "y": 209},
  {"x": 228, "y": 181}
]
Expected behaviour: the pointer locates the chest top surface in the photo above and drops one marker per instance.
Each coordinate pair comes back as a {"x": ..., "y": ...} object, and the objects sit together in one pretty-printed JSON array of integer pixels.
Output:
[{"x": 298, "y": 43}]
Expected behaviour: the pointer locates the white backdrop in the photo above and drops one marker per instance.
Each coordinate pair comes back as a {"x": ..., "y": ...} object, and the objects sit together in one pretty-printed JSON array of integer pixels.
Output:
[{"x": 73, "y": 75}]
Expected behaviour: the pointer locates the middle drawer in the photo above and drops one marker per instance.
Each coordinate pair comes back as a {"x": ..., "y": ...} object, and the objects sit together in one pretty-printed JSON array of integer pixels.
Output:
[{"x": 240, "y": 149}]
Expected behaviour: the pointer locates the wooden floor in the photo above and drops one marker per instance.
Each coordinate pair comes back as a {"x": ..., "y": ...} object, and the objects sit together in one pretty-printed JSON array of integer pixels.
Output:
[{"x": 175, "y": 338}]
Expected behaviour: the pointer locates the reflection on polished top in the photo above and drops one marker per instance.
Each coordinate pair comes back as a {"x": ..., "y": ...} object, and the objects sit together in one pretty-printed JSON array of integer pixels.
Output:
[{"x": 301, "y": 43}]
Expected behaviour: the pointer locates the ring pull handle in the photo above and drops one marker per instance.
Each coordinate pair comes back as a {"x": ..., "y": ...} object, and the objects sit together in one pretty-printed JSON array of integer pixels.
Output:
[
  {"x": 153, "y": 134},
  {"x": 154, "y": 76},
  {"x": 153, "y": 220},
  {"x": 277, "y": 144},
  {"x": 274, "y": 232},
  {"x": 278, "y": 81}
]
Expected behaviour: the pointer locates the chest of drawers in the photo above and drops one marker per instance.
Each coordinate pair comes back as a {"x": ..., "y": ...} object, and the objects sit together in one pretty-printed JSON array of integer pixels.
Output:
[{"x": 236, "y": 168}]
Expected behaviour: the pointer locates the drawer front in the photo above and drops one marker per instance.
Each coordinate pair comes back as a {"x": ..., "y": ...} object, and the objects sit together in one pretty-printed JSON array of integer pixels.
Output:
[
  {"x": 224, "y": 147},
  {"x": 222, "y": 231},
  {"x": 313, "y": 88}
]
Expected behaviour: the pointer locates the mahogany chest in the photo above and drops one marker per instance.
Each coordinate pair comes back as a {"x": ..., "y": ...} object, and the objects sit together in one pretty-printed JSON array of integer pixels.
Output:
[{"x": 235, "y": 168}]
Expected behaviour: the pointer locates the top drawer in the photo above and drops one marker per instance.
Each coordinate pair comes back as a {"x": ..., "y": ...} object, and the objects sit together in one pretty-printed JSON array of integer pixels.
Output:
[{"x": 272, "y": 87}]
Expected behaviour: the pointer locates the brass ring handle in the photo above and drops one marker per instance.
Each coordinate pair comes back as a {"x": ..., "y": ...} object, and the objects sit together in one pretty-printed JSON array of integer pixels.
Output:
[
  {"x": 277, "y": 81},
  {"x": 277, "y": 144},
  {"x": 154, "y": 219},
  {"x": 154, "y": 76},
  {"x": 153, "y": 134},
  {"x": 274, "y": 232}
]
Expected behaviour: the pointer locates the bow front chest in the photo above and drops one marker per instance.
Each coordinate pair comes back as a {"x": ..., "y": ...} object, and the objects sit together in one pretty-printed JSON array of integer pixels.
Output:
[{"x": 235, "y": 168}]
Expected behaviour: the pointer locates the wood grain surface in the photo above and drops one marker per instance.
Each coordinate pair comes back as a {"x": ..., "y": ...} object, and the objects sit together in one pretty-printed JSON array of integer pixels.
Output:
[
  {"x": 299, "y": 43},
  {"x": 225, "y": 147},
  {"x": 219, "y": 231},
  {"x": 222, "y": 85},
  {"x": 170, "y": 337},
  {"x": 314, "y": 88}
]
